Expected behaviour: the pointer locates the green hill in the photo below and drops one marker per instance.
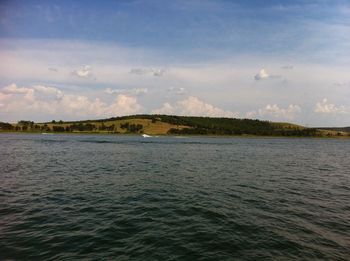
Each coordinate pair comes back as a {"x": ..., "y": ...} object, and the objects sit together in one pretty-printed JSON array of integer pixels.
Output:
[{"x": 174, "y": 125}]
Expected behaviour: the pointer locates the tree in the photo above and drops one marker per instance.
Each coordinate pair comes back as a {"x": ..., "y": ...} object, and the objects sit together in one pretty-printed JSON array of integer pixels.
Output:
[{"x": 6, "y": 126}]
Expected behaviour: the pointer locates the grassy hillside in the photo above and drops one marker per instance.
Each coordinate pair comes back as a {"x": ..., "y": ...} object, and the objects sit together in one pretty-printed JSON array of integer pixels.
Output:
[{"x": 174, "y": 125}]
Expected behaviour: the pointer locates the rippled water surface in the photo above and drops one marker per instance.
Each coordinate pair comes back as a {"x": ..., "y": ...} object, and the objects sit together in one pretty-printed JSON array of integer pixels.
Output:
[{"x": 165, "y": 198}]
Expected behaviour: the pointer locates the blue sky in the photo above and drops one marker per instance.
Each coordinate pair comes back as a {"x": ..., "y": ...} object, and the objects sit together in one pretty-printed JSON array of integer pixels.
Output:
[{"x": 274, "y": 60}]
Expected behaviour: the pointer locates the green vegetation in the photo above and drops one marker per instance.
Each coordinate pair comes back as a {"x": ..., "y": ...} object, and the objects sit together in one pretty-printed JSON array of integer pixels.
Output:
[
  {"x": 176, "y": 125},
  {"x": 6, "y": 126},
  {"x": 338, "y": 129}
]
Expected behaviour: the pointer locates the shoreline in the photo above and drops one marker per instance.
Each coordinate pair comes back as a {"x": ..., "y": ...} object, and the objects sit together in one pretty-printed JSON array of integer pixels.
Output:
[{"x": 170, "y": 135}]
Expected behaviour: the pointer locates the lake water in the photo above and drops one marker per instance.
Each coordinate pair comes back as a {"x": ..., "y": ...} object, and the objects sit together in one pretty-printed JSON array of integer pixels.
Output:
[{"x": 68, "y": 197}]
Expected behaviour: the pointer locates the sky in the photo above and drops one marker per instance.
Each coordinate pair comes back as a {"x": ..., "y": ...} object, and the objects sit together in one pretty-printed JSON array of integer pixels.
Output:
[{"x": 271, "y": 60}]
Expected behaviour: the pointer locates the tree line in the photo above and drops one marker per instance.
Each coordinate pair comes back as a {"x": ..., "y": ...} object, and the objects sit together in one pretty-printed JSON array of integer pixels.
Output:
[{"x": 74, "y": 127}]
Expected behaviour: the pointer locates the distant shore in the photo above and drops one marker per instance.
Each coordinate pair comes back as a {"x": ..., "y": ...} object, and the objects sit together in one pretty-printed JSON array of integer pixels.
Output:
[
  {"x": 172, "y": 135},
  {"x": 163, "y": 125}
]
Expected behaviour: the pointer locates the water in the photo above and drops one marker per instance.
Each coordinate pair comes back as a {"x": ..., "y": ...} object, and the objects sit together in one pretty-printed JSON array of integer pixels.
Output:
[{"x": 68, "y": 197}]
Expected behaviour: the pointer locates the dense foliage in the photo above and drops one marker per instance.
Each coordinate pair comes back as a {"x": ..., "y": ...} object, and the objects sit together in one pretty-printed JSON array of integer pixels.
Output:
[
  {"x": 6, "y": 126},
  {"x": 132, "y": 128},
  {"x": 345, "y": 129}
]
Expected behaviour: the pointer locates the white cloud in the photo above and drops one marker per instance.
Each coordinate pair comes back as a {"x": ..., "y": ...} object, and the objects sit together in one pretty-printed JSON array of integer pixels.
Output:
[
  {"x": 178, "y": 91},
  {"x": 275, "y": 112},
  {"x": 58, "y": 94},
  {"x": 167, "y": 108},
  {"x": 32, "y": 93},
  {"x": 135, "y": 91},
  {"x": 84, "y": 72},
  {"x": 251, "y": 114},
  {"x": 138, "y": 91},
  {"x": 147, "y": 71},
  {"x": 158, "y": 72},
  {"x": 122, "y": 105},
  {"x": 262, "y": 74},
  {"x": 328, "y": 108},
  {"x": 192, "y": 106},
  {"x": 112, "y": 91},
  {"x": 50, "y": 101},
  {"x": 13, "y": 89}
]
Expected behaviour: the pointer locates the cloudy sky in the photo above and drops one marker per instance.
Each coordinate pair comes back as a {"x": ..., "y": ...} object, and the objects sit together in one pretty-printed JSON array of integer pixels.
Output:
[{"x": 271, "y": 60}]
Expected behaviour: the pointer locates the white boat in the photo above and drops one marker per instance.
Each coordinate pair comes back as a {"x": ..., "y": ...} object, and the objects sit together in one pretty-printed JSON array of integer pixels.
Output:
[{"x": 146, "y": 136}]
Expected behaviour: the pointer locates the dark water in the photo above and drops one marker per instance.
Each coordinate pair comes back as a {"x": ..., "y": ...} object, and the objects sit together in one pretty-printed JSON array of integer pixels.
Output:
[{"x": 133, "y": 198}]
